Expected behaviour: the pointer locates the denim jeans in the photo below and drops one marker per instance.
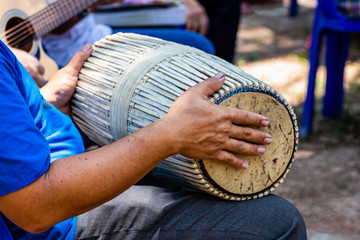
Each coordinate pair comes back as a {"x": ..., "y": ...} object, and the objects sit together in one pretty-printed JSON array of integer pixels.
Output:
[
  {"x": 167, "y": 211},
  {"x": 224, "y": 16}
]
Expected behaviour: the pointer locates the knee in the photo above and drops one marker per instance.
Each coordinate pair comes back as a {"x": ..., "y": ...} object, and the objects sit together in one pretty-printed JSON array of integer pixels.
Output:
[{"x": 288, "y": 223}]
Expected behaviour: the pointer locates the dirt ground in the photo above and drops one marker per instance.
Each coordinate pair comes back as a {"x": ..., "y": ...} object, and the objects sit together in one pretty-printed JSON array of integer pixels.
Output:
[{"x": 324, "y": 180}]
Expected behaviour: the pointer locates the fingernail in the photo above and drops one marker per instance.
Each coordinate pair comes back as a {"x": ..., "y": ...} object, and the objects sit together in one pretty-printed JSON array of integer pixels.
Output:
[
  {"x": 245, "y": 164},
  {"x": 219, "y": 75},
  {"x": 261, "y": 150},
  {"x": 265, "y": 122},
  {"x": 86, "y": 48},
  {"x": 268, "y": 140}
]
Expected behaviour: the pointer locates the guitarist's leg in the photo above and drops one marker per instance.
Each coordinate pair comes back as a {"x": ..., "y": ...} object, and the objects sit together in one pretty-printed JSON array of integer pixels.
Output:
[
  {"x": 175, "y": 35},
  {"x": 62, "y": 47}
]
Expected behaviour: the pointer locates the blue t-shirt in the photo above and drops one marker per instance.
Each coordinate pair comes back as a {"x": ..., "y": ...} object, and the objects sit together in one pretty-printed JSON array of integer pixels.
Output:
[{"x": 33, "y": 133}]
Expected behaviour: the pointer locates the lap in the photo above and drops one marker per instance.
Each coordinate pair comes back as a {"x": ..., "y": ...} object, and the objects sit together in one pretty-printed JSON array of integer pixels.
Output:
[
  {"x": 153, "y": 212},
  {"x": 175, "y": 35}
]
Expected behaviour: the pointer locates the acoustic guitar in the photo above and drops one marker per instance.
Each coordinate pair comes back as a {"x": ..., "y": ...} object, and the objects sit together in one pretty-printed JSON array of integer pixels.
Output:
[{"x": 24, "y": 22}]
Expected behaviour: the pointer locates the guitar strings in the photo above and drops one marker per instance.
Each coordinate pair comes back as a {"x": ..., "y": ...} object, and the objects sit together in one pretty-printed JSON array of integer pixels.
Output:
[
  {"x": 39, "y": 20},
  {"x": 26, "y": 24}
]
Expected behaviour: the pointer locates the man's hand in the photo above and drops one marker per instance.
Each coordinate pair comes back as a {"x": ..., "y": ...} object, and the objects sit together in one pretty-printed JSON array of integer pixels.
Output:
[
  {"x": 196, "y": 18},
  {"x": 61, "y": 86},
  {"x": 31, "y": 64},
  {"x": 206, "y": 130}
]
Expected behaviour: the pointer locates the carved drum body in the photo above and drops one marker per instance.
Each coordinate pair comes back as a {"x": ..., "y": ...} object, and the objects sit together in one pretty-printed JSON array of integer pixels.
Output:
[{"x": 131, "y": 80}]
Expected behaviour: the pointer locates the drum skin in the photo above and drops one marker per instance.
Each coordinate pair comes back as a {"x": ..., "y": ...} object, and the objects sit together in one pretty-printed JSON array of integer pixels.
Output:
[{"x": 131, "y": 80}]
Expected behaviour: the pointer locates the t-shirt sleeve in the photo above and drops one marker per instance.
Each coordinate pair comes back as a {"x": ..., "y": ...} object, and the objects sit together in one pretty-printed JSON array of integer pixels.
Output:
[{"x": 24, "y": 152}]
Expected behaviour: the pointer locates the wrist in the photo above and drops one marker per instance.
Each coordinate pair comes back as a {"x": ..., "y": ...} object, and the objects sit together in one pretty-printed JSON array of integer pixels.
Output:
[
  {"x": 165, "y": 134},
  {"x": 54, "y": 97},
  {"x": 48, "y": 95}
]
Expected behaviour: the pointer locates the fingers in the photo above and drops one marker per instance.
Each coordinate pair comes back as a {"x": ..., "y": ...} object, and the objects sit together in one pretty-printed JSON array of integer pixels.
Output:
[
  {"x": 220, "y": 131},
  {"x": 190, "y": 24},
  {"x": 238, "y": 116},
  {"x": 36, "y": 71},
  {"x": 210, "y": 85},
  {"x": 250, "y": 135},
  {"x": 198, "y": 23},
  {"x": 232, "y": 160},
  {"x": 233, "y": 146},
  {"x": 80, "y": 57},
  {"x": 243, "y": 117},
  {"x": 247, "y": 141},
  {"x": 204, "y": 25},
  {"x": 40, "y": 68},
  {"x": 243, "y": 147},
  {"x": 196, "y": 17},
  {"x": 35, "y": 65},
  {"x": 39, "y": 79}
]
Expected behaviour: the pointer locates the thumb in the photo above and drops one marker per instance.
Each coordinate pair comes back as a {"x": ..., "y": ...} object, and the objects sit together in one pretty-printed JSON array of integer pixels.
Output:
[
  {"x": 211, "y": 85},
  {"x": 80, "y": 57}
]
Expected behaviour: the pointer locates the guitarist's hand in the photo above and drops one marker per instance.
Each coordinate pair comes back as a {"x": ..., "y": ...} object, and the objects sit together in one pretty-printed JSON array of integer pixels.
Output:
[
  {"x": 61, "y": 86},
  {"x": 197, "y": 19},
  {"x": 31, "y": 64}
]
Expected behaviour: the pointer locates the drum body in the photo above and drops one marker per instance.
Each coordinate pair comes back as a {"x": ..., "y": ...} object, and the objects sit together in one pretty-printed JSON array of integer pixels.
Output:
[{"x": 130, "y": 81}]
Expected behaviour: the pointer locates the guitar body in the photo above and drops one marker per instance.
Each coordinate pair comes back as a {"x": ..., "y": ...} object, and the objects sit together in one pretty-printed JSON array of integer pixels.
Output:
[{"x": 12, "y": 12}]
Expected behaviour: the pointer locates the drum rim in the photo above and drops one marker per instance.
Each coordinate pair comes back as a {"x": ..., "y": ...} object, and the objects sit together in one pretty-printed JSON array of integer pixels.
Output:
[{"x": 281, "y": 178}]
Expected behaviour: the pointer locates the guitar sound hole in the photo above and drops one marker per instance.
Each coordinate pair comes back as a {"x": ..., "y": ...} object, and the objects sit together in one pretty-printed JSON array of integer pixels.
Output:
[{"x": 19, "y": 33}]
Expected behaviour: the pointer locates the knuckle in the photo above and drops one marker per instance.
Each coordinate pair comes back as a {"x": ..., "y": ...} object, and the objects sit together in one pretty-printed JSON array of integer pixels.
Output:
[
  {"x": 224, "y": 114},
  {"x": 230, "y": 159},
  {"x": 233, "y": 161},
  {"x": 223, "y": 133},
  {"x": 218, "y": 143},
  {"x": 241, "y": 147},
  {"x": 248, "y": 133},
  {"x": 71, "y": 70},
  {"x": 247, "y": 115},
  {"x": 227, "y": 157}
]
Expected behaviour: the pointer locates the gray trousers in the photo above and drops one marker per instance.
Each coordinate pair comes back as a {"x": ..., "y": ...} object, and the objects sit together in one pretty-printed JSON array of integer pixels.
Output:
[{"x": 167, "y": 211}]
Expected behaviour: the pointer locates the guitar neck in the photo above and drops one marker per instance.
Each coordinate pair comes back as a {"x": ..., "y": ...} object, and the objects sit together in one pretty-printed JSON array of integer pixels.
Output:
[{"x": 56, "y": 14}]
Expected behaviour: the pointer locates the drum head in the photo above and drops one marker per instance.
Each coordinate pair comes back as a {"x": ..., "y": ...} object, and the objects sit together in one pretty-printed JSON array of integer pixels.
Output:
[{"x": 264, "y": 170}]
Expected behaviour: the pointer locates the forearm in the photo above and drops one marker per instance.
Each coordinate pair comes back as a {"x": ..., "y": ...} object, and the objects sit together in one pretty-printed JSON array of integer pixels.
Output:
[
  {"x": 76, "y": 184},
  {"x": 193, "y": 127}
]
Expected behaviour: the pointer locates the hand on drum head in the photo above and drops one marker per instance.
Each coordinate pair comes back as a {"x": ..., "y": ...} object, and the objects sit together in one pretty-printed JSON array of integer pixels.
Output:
[{"x": 205, "y": 130}]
